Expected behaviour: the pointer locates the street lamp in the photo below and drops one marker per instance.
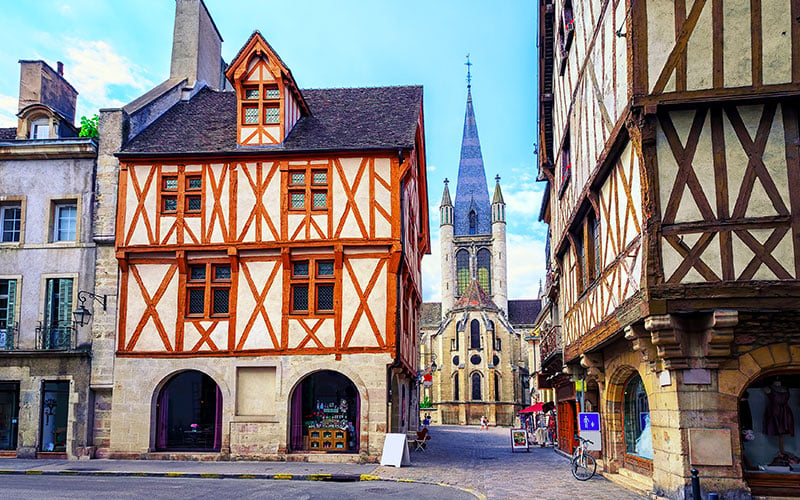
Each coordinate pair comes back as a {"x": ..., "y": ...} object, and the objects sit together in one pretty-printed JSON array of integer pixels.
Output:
[{"x": 81, "y": 314}]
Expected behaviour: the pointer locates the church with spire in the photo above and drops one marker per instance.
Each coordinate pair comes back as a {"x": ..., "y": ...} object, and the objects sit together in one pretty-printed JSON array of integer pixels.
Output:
[{"x": 473, "y": 351}]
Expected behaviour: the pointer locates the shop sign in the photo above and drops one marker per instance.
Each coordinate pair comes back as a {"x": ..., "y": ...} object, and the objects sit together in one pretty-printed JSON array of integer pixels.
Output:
[{"x": 519, "y": 440}]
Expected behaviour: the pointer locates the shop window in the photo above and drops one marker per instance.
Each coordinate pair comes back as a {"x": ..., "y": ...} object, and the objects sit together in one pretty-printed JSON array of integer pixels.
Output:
[
  {"x": 208, "y": 288},
  {"x": 769, "y": 425},
  {"x": 485, "y": 270},
  {"x": 476, "y": 387},
  {"x": 190, "y": 198},
  {"x": 308, "y": 190},
  {"x": 10, "y": 222},
  {"x": 189, "y": 413},
  {"x": 55, "y": 409},
  {"x": 325, "y": 414},
  {"x": 312, "y": 283},
  {"x": 462, "y": 271},
  {"x": 474, "y": 334},
  {"x": 636, "y": 420}
]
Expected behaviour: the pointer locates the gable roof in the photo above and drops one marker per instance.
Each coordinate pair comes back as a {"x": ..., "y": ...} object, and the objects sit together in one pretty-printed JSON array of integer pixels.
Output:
[
  {"x": 523, "y": 312},
  {"x": 374, "y": 118}
]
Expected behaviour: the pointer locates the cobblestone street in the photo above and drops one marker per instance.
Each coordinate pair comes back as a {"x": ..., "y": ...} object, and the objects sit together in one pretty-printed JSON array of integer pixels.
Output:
[{"x": 482, "y": 461}]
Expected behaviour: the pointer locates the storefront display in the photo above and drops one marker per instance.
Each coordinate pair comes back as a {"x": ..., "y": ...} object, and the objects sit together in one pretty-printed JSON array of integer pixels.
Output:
[
  {"x": 329, "y": 427},
  {"x": 638, "y": 435},
  {"x": 325, "y": 413},
  {"x": 769, "y": 418}
]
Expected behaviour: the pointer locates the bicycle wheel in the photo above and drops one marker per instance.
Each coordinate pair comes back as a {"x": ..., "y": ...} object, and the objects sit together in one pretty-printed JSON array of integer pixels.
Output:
[{"x": 583, "y": 467}]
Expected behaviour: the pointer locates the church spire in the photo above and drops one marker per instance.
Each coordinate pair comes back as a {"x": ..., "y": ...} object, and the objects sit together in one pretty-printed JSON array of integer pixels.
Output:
[
  {"x": 446, "y": 207},
  {"x": 472, "y": 192}
]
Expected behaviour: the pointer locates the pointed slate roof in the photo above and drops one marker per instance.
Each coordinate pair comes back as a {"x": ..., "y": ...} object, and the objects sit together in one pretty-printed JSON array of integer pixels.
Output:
[
  {"x": 498, "y": 195},
  {"x": 475, "y": 298},
  {"x": 445, "y": 196},
  {"x": 471, "y": 186}
]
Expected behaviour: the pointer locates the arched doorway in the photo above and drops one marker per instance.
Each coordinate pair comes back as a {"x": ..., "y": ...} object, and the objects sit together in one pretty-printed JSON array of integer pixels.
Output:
[
  {"x": 189, "y": 413},
  {"x": 325, "y": 414},
  {"x": 769, "y": 429},
  {"x": 636, "y": 420}
]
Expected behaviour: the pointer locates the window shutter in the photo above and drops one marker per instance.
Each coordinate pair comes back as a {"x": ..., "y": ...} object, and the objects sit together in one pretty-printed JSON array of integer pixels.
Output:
[
  {"x": 12, "y": 295},
  {"x": 48, "y": 303},
  {"x": 64, "y": 301}
]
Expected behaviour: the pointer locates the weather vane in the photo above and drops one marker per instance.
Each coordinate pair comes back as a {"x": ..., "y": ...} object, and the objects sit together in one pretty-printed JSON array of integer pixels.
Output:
[{"x": 469, "y": 75}]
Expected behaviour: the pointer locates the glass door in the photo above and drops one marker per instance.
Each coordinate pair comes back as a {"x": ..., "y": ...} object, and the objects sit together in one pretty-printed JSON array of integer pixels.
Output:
[
  {"x": 9, "y": 412},
  {"x": 55, "y": 406}
]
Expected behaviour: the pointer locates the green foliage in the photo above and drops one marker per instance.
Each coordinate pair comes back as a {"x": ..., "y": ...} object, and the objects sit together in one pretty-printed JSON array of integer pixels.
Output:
[
  {"x": 426, "y": 403},
  {"x": 88, "y": 126}
]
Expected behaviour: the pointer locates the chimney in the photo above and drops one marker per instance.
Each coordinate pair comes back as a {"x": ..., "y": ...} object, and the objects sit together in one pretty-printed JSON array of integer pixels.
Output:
[
  {"x": 40, "y": 84},
  {"x": 60, "y": 68},
  {"x": 196, "y": 45}
]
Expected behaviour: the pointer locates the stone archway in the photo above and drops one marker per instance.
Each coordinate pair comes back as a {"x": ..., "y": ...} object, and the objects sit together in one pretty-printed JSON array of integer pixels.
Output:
[
  {"x": 188, "y": 413},
  {"x": 614, "y": 428}
]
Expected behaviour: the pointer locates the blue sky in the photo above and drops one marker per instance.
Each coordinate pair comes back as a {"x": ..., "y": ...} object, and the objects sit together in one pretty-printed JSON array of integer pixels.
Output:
[{"x": 114, "y": 51}]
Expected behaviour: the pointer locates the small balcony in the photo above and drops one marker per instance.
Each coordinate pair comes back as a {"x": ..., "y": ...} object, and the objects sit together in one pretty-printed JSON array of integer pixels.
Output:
[
  {"x": 9, "y": 336},
  {"x": 551, "y": 344},
  {"x": 55, "y": 337}
]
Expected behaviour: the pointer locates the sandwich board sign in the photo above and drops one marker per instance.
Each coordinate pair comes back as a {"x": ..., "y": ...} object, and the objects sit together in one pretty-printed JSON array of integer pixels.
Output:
[
  {"x": 589, "y": 428},
  {"x": 395, "y": 450}
]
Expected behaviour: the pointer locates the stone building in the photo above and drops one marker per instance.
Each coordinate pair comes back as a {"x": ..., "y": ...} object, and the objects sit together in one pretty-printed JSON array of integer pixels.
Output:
[
  {"x": 267, "y": 248},
  {"x": 671, "y": 152},
  {"x": 46, "y": 259},
  {"x": 474, "y": 353}
]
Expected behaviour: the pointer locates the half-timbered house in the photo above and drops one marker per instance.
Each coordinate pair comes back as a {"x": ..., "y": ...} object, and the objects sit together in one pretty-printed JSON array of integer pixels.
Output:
[
  {"x": 269, "y": 241},
  {"x": 670, "y": 147}
]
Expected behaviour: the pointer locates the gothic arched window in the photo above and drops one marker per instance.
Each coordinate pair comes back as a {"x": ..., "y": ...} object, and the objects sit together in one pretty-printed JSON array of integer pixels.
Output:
[
  {"x": 462, "y": 271},
  {"x": 497, "y": 387},
  {"x": 473, "y": 222},
  {"x": 476, "y": 386},
  {"x": 475, "y": 334},
  {"x": 455, "y": 387},
  {"x": 485, "y": 270}
]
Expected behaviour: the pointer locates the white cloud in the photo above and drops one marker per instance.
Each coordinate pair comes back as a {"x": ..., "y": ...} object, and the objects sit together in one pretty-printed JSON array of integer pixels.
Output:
[
  {"x": 8, "y": 111},
  {"x": 525, "y": 265},
  {"x": 430, "y": 168},
  {"x": 94, "y": 69}
]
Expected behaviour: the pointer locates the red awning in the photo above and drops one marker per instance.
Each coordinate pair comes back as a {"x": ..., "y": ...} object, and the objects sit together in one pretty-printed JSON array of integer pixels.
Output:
[{"x": 533, "y": 408}]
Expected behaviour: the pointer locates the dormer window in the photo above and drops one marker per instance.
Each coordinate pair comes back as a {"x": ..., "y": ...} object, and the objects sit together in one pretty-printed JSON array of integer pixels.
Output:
[{"x": 40, "y": 128}]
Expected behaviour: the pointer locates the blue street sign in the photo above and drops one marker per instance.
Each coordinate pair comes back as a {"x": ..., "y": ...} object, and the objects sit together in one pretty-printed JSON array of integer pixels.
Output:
[{"x": 589, "y": 421}]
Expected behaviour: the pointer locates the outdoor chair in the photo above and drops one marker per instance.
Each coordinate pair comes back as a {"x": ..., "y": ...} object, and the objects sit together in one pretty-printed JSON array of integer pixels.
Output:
[{"x": 419, "y": 443}]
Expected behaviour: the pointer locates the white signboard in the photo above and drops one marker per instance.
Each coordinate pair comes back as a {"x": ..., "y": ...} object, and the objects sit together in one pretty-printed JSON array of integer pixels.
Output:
[
  {"x": 395, "y": 450},
  {"x": 589, "y": 428}
]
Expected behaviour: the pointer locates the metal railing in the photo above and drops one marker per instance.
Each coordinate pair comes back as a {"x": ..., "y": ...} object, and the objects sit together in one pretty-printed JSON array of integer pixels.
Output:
[
  {"x": 55, "y": 337},
  {"x": 551, "y": 343},
  {"x": 9, "y": 337}
]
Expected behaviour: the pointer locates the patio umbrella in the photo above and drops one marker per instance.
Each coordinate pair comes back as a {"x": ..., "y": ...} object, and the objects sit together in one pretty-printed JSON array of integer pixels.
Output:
[{"x": 533, "y": 408}]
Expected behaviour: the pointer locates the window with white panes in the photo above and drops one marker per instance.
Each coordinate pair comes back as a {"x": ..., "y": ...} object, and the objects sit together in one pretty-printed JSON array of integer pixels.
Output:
[
  {"x": 10, "y": 222},
  {"x": 308, "y": 189},
  {"x": 65, "y": 220}
]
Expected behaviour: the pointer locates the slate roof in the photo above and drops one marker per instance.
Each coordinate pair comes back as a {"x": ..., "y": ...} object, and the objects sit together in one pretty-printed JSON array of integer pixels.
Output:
[
  {"x": 430, "y": 314},
  {"x": 341, "y": 119},
  {"x": 8, "y": 134},
  {"x": 475, "y": 297},
  {"x": 471, "y": 190},
  {"x": 523, "y": 312}
]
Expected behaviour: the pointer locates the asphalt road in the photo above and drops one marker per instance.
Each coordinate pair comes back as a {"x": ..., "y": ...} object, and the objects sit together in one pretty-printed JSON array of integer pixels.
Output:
[{"x": 83, "y": 487}]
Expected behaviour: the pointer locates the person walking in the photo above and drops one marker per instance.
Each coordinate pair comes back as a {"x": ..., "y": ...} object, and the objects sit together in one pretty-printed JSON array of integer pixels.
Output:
[
  {"x": 426, "y": 422},
  {"x": 484, "y": 423}
]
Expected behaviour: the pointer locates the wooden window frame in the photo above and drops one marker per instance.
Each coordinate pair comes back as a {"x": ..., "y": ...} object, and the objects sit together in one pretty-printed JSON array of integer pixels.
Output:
[
  {"x": 181, "y": 194},
  {"x": 309, "y": 188},
  {"x": 208, "y": 284},
  {"x": 260, "y": 103},
  {"x": 312, "y": 281}
]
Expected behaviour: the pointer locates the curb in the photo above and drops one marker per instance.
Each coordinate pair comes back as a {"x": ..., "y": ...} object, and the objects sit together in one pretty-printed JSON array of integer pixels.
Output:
[{"x": 339, "y": 478}]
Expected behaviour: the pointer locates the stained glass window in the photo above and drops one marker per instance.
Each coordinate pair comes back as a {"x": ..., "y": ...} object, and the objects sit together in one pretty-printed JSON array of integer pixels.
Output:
[
  {"x": 300, "y": 268},
  {"x": 222, "y": 273},
  {"x": 170, "y": 183},
  {"x": 300, "y": 298},
  {"x": 298, "y": 178},
  {"x": 320, "y": 199},
  {"x": 476, "y": 386},
  {"x": 484, "y": 270},
  {"x": 272, "y": 115},
  {"x": 221, "y": 296},
  {"x": 272, "y": 93},
  {"x": 197, "y": 273},
  {"x": 196, "y": 301},
  {"x": 462, "y": 271},
  {"x": 193, "y": 204},
  {"x": 475, "y": 334},
  {"x": 324, "y": 268},
  {"x": 251, "y": 93},
  {"x": 251, "y": 115},
  {"x": 194, "y": 182}
]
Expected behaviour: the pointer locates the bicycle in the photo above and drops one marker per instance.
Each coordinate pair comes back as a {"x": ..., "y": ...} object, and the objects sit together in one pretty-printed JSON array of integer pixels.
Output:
[{"x": 583, "y": 464}]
